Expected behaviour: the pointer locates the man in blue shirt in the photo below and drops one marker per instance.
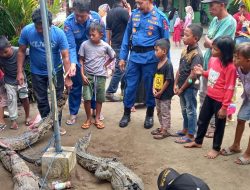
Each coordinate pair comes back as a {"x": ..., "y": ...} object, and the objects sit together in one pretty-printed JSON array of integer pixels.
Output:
[
  {"x": 146, "y": 25},
  {"x": 32, "y": 36},
  {"x": 76, "y": 28}
]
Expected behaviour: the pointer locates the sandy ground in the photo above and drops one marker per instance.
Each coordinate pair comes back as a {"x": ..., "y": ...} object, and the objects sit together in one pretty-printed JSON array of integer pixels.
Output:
[{"x": 135, "y": 147}]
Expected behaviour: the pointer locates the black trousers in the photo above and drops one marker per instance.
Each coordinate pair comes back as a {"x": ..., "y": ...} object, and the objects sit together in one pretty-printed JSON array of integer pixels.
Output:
[
  {"x": 40, "y": 86},
  {"x": 210, "y": 107}
]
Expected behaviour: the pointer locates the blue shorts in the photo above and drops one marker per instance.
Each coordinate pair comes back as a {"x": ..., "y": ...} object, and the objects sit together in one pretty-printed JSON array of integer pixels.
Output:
[{"x": 244, "y": 112}]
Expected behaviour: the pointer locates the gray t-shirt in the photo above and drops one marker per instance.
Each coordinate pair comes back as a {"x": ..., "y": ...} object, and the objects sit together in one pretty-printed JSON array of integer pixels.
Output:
[
  {"x": 9, "y": 67},
  {"x": 95, "y": 56},
  {"x": 245, "y": 79}
]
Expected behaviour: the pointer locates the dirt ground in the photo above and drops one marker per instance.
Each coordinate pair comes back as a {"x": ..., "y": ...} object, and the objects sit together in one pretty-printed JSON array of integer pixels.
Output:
[{"x": 135, "y": 147}]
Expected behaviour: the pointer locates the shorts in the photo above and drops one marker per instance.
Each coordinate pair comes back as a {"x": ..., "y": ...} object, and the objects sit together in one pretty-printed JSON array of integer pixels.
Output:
[
  {"x": 95, "y": 87},
  {"x": 3, "y": 95},
  {"x": 244, "y": 112},
  {"x": 13, "y": 92}
]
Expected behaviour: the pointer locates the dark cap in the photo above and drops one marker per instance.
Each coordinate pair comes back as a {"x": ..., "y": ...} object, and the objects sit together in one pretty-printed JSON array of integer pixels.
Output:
[
  {"x": 218, "y": 1},
  {"x": 169, "y": 179}
]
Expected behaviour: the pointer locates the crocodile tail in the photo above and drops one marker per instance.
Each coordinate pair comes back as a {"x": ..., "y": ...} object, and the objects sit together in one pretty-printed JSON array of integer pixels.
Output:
[{"x": 83, "y": 142}]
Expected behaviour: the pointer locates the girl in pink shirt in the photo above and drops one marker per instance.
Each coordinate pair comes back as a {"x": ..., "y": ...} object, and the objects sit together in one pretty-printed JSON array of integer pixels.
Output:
[{"x": 221, "y": 76}]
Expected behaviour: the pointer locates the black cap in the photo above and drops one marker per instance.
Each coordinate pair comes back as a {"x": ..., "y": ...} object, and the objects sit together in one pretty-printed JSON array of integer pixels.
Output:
[
  {"x": 218, "y": 1},
  {"x": 169, "y": 179}
]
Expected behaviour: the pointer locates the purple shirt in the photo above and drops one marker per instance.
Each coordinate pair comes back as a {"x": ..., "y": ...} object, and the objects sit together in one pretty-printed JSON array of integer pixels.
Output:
[{"x": 245, "y": 78}]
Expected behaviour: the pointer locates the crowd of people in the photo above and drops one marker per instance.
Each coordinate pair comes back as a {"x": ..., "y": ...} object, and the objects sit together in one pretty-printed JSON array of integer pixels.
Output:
[{"x": 137, "y": 42}]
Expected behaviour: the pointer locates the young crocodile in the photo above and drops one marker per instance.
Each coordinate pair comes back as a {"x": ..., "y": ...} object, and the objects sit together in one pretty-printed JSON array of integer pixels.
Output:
[{"x": 109, "y": 169}]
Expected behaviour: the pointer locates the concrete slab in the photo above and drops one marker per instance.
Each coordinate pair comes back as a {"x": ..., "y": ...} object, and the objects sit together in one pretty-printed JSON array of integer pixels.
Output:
[{"x": 58, "y": 165}]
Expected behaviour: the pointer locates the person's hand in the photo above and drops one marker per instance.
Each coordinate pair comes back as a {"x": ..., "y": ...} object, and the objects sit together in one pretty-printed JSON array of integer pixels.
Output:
[
  {"x": 179, "y": 91},
  {"x": 122, "y": 65},
  {"x": 128, "y": 8},
  {"x": 72, "y": 70},
  {"x": 207, "y": 43},
  {"x": 176, "y": 89},
  {"x": 154, "y": 91},
  {"x": 68, "y": 83},
  {"x": 20, "y": 78},
  {"x": 198, "y": 70},
  {"x": 85, "y": 80},
  {"x": 158, "y": 94},
  {"x": 222, "y": 113},
  {"x": 242, "y": 18}
]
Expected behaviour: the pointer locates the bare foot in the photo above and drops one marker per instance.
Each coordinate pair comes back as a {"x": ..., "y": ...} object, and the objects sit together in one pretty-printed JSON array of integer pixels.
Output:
[
  {"x": 192, "y": 145},
  {"x": 212, "y": 154},
  {"x": 14, "y": 125}
]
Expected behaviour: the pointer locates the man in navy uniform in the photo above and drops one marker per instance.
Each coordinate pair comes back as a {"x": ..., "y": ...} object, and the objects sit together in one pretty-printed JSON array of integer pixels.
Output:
[
  {"x": 76, "y": 28},
  {"x": 146, "y": 25}
]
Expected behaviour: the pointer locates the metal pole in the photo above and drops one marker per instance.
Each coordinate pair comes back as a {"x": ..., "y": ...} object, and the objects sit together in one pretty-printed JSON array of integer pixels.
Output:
[{"x": 50, "y": 66}]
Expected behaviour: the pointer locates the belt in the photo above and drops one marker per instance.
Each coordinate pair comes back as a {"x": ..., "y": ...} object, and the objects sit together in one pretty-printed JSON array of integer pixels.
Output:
[{"x": 142, "y": 49}]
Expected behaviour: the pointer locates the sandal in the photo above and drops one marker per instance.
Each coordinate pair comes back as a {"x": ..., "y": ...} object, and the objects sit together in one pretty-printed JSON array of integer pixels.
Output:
[
  {"x": 28, "y": 122},
  {"x": 86, "y": 124},
  {"x": 183, "y": 140},
  {"x": 71, "y": 120},
  {"x": 227, "y": 151},
  {"x": 62, "y": 131},
  {"x": 2, "y": 126},
  {"x": 156, "y": 131},
  {"x": 162, "y": 135},
  {"x": 242, "y": 161},
  {"x": 99, "y": 125},
  {"x": 180, "y": 133},
  {"x": 14, "y": 128}
]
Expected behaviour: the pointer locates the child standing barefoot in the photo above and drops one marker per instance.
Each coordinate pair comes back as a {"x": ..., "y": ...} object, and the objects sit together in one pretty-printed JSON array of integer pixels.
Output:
[
  {"x": 242, "y": 62},
  {"x": 163, "y": 89},
  {"x": 8, "y": 62},
  {"x": 221, "y": 82}
]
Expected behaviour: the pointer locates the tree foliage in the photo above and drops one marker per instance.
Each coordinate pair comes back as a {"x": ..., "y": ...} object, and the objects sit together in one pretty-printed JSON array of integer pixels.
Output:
[{"x": 14, "y": 15}]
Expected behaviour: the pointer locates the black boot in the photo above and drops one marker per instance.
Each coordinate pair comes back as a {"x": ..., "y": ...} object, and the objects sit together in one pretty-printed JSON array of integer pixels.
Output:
[
  {"x": 125, "y": 118},
  {"x": 149, "y": 119}
]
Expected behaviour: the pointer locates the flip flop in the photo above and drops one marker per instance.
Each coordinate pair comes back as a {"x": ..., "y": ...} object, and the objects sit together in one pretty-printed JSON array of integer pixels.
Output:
[
  {"x": 86, "y": 125},
  {"x": 156, "y": 131},
  {"x": 161, "y": 135},
  {"x": 14, "y": 128},
  {"x": 62, "y": 131},
  {"x": 28, "y": 122},
  {"x": 2, "y": 126},
  {"x": 227, "y": 152},
  {"x": 242, "y": 161},
  {"x": 71, "y": 120},
  {"x": 99, "y": 125},
  {"x": 183, "y": 140},
  {"x": 180, "y": 133}
]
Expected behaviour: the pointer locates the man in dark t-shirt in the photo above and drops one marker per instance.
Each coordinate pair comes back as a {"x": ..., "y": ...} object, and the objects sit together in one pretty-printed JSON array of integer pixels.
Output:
[{"x": 117, "y": 20}]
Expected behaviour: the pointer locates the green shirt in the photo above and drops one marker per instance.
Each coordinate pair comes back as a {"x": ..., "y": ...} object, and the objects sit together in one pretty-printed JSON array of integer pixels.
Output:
[{"x": 223, "y": 27}]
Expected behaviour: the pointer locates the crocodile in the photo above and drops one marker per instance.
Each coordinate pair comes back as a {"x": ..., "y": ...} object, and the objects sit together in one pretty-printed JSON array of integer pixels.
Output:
[
  {"x": 109, "y": 169},
  {"x": 23, "y": 178},
  {"x": 31, "y": 136}
]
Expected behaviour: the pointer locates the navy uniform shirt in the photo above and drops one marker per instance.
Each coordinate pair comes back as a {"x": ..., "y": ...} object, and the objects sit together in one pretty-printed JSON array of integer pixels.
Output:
[
  {"x": 144, "y": 30},
  {"x": 77, "y": 33}
]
